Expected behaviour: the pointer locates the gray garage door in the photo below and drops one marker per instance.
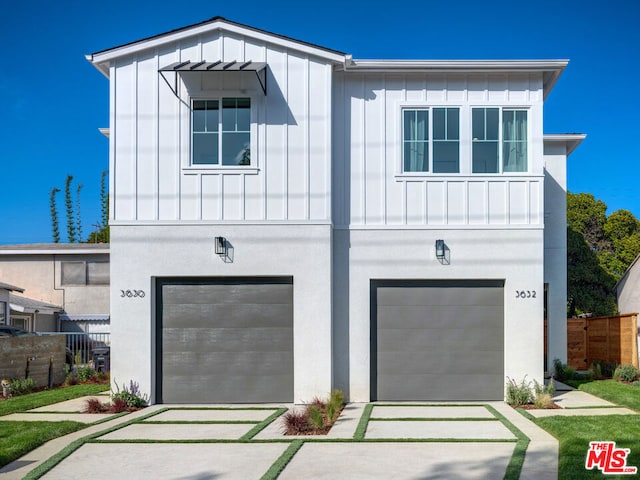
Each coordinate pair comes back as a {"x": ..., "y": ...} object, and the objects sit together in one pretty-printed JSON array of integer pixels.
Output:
[
  {"x": 225, "y": 340},
  {"x": 437, "y": 340}
]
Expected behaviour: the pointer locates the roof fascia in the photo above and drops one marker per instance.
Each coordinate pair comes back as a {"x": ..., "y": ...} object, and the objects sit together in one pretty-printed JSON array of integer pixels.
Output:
[
  {"x": 101, "y": 59},
  {"x": 19, "y": 251},
  {"x": 551, "y": 69},
  {"x": 570, "y": 140}
]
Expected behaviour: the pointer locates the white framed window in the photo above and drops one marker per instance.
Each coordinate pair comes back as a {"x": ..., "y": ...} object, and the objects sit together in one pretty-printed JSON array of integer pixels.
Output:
[
  {"x": 431, "y": 140},
  {"x": 499, "y": 140},
  {"x": 221, "y": 131}
]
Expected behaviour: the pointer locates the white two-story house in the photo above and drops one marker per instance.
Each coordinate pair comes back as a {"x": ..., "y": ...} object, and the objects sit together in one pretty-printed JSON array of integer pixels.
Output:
[{"x": 286, "y": 220}]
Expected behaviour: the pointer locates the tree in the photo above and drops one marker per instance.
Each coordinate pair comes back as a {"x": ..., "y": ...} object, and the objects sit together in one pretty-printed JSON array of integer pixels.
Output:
[
  {"x": 54, "y": 215},
  {"x": 599, "y": 250},
  {"x": 78, "y": 216},
  {"x": 71, "y": 227},
  {"x": 101, "y": 234}
]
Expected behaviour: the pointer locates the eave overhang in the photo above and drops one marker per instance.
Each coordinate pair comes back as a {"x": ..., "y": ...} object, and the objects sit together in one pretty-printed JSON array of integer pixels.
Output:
[
  {"x": 570, "y": 140},
  {"x": 550, "y": 69}
]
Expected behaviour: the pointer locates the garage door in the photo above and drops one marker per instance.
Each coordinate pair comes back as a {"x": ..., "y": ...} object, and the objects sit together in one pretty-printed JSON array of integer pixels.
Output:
[
  {"x": 437, "y": 340},
  {"x": 225, "y": 340}
]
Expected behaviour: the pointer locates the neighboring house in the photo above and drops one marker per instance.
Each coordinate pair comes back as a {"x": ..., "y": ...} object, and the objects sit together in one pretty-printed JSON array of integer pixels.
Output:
[
  {"x": 63, "y": 287},
  {"x": 286, "y": 220},
  {"x": 628, "y": 289}
]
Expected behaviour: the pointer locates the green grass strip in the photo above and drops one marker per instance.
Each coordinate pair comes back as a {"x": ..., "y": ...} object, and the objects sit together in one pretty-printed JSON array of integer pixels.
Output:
[
  {"x": 428, "y": 405},
  {"x": 30, "y": 401},
  {"x": 514, "y": 468},
  {"x": 262, "y": 425},
  {"x": 278, "y": 466},
  {"x": 72, "y": 447},
  {"x": 200, "y": 422},
  {"x": 592, "y": 407},
  {"x": 362, "y": 424},
  {"x": 226, "y": 408},
  {"x": 423, "y": 419}
]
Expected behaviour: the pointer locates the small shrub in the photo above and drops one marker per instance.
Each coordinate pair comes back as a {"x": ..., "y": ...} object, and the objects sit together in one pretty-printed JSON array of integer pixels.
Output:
[
  {"x": 626, "y": 373},
  {"x": 71, "y": 379},
  {"x": 519, "y": 393},
  {"x": 317, "y": 402},
  {"x": 21, "y": 386},
  {"x": 544, "y": 400},
  {"x": 562, "y": 371},
  {"x": 636, "y": 383},
  {"x": 86, "y": 374},
  {"x": 93, "y": 405},
  {"x": 131, "y": 395},
  {"x": 118, "y": 405},
  {"x": 315, "y": 417},
  {"x": 600, "y": 369},
  {"x": 295, "y": 422}
]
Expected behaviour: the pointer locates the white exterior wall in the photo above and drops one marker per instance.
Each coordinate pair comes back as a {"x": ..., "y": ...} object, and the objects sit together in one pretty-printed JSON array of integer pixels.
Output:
[
  {"x": 139, "y": 254},
  {"x": 555, "y": 250},
  {"x": 514, "y": 256},
  {"x": 369, "y": 186},
  {"x": 151, "y": 176},
  {"x": 628, "y": 291}
]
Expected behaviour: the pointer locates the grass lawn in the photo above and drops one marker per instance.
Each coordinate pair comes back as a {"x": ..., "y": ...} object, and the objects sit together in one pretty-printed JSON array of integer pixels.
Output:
[
  {"x": 617, "y": 392},
  {"x": 47, "y": 397},
  {"x": 575, "y": 433},
  {"x": 19, "y": 438}
]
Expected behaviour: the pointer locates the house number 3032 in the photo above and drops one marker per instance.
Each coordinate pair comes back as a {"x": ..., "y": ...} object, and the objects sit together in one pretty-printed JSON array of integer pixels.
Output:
[
  {"x": 525, "y": 294},
  {"x": 132, "y": 293}
]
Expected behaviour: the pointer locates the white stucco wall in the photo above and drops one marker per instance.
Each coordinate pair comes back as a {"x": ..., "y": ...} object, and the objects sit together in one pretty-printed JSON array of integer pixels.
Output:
[
  {"x": 141, "y": 253},
  {"x": 555, "y": 249},
  {"x": 515, "y": 256}
]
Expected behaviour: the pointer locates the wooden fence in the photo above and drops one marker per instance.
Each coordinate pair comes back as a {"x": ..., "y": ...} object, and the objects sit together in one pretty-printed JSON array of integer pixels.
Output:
[{"x": 609, "y": 339}]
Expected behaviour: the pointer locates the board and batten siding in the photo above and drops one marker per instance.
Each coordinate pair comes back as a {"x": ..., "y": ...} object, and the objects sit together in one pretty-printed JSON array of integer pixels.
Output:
[
  {"x": 369, "y": 188},
  {"x": 290, "y": 175}
]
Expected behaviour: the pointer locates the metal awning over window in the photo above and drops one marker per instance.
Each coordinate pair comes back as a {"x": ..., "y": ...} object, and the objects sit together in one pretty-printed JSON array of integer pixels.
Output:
[{"x": 260, "y": 69}]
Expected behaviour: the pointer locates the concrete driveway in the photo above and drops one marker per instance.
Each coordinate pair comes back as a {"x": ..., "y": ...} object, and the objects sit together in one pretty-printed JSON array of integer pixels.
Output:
[{"x": 369, "y": 441}]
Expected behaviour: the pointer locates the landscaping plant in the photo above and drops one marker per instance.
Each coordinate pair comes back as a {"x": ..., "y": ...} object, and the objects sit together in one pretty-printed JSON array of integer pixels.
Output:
[
  {"x": 519, "y": 394},
  {"x": 626, "y": 373},
  {"x": 21, "y": 386},
  {"x": 316, "y": 418},
  {"x": 562, "y": 371},
  {"x": 130, "y": 395}
]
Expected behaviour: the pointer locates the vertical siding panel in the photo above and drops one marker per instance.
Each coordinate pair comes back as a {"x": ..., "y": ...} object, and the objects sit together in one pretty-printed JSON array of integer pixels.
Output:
[
  {"x": 518, "y": 202},
  {"x": 518, "y": 87},
  {"x": 497, "y": 203},
  {"x": 394, "y": 199},
  {"x": 535, "y": 203},
  {"x": 374, "y": 151},
  {"x": 146, "y": 137},
  {"x": 190, "y": 49},
  {"x": 436, "y": 214},
  {"x": 477, "y": 89},
  {"x": 416, "y": 213},
  {"x": 319, "y": 144},
  {"x": 168, "y": 144},
  {"x": 276, "y": 118},
  {"x": 232, "y": 193},
  {"x": 253, "y": 197},
  {"x": 354, "y": 91},
  {"x": 210, "y": 188},
  {"x": 341, "y": 153},
  {"x": 477, "y": 203},
  {"x": 125, "y": 149},
  {"x": 456, "y": 203},
  {"x": 456, "y": 89},
  {"x": 497, "y": 88},
  {"x": 437, "y": 87},
  {"x": 191, "y": 195},
  {"x": 296, "y": 131}
]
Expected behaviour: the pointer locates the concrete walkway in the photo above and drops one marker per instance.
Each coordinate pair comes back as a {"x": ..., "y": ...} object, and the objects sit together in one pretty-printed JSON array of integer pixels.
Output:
[{"x": 400, "y": 441}]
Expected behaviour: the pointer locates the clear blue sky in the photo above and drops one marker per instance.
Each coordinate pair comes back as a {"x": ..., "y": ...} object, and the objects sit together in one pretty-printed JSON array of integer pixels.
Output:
[{"x": 52, "y": 101}]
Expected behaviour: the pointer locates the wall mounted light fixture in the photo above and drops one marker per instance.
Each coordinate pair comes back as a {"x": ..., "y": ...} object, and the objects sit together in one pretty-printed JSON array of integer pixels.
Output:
[
  {"x": 221, "y": 246},
  {"x": 440, "y": 253}
]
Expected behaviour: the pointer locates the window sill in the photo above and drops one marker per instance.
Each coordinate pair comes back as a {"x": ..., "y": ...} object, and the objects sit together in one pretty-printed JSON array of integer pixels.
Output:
[
  {"x": 194, "y": 169},
  {"x": 427, "y": 175}
]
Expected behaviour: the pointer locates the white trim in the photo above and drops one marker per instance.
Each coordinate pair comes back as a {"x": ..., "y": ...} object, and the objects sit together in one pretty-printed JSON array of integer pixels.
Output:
[
  {"x": 571, "y": 140},
  {"x": 20, "y": 251}
]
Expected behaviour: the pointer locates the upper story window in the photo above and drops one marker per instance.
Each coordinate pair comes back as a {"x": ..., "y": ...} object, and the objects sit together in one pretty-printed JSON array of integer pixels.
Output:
[
  {"x": 221, "y": 132},
  {"x": 436, "y": 149},
  {"x": 487, "y": 155},
  {"x": 85, "y": 273}
]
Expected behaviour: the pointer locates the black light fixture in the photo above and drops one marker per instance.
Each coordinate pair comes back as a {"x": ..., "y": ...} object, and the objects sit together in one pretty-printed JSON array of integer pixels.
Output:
[
  {"x": 221, "y": 246},
  {"x": 440, "y": 253}
]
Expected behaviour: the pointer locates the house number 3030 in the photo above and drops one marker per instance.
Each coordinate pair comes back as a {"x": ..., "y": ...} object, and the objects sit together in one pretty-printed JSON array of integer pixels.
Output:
[
  {"x": 525, "y": 294},
  {"x": 132, "y": 293}
]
